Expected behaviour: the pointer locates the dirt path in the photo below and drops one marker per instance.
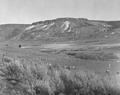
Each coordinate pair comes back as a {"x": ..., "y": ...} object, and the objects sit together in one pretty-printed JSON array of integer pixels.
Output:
[
  {"x": 71, "y": 46},
  {"x": 51, "y": 46}
]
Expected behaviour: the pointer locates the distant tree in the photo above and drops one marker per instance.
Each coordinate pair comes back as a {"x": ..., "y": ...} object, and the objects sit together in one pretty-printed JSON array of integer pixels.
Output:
[{"x": 19, "y": 46}]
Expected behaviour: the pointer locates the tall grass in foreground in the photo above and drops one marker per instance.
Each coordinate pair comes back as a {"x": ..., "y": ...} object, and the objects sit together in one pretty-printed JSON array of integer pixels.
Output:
[{"x": 19, "y": 78}]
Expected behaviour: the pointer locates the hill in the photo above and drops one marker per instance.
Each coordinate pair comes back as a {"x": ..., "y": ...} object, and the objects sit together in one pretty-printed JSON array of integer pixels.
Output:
[
  {"x": 63, "y": 56},
  {"x": 9, "y": 31},
  {"x": 71, "y": 29}
]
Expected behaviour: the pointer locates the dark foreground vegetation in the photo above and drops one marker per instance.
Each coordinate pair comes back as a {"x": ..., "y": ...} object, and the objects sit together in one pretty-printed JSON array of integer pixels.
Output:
[{"x": 19, "y": 78}]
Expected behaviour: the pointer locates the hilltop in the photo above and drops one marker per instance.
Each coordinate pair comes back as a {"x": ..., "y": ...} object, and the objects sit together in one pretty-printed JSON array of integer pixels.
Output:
[{"x": 71, "y": 29}]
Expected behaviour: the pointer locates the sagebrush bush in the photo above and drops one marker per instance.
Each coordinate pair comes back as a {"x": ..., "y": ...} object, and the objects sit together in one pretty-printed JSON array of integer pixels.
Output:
[{"x": 19, "y": 78}]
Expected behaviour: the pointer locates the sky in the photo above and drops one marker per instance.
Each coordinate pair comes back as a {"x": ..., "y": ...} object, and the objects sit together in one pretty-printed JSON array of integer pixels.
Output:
[{"x": 28, "y": 11}]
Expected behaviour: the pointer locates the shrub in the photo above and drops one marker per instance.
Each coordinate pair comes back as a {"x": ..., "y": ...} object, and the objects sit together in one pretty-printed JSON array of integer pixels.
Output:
[{"x": 42, "y": 79}]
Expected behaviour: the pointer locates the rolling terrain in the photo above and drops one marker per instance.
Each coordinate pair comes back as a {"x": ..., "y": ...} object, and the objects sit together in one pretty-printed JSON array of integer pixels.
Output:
[
  {"x": 73, "y": 43},
  {"x": 66, "y": 38}
]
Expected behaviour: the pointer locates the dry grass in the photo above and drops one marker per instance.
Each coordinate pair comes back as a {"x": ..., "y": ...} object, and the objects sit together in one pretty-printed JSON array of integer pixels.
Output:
[{"x": 19, "y": 78}]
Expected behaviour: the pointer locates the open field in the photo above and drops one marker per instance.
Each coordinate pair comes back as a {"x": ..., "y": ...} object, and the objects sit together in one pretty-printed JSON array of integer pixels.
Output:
[
  {"x": 74, "y": 62},
  {"x": 93, "y": 57},
  {"x": 100, "y": 60}
]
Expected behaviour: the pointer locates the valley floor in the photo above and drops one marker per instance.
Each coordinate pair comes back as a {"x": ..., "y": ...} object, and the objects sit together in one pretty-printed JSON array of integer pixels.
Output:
[{"x": 103, "y": 59}]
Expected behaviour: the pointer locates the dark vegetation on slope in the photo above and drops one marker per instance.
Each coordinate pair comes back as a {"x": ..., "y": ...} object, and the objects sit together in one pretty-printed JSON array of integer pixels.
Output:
[
  {"x": 19, "y": 78},
  {"x": 115, "y": 24},
  {"x": 93, "y": 55}
]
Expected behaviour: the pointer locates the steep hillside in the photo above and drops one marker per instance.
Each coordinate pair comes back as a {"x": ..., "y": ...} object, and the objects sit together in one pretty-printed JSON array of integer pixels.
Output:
[{"x": 69, "y": 29}]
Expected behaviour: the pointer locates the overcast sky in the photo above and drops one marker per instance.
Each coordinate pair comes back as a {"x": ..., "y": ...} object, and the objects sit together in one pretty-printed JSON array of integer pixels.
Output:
[{"x": 28, "y": 11}]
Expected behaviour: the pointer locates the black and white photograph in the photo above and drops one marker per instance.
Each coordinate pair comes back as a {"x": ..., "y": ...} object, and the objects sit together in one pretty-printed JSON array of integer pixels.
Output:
[{"x": 59, "y": 47}]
